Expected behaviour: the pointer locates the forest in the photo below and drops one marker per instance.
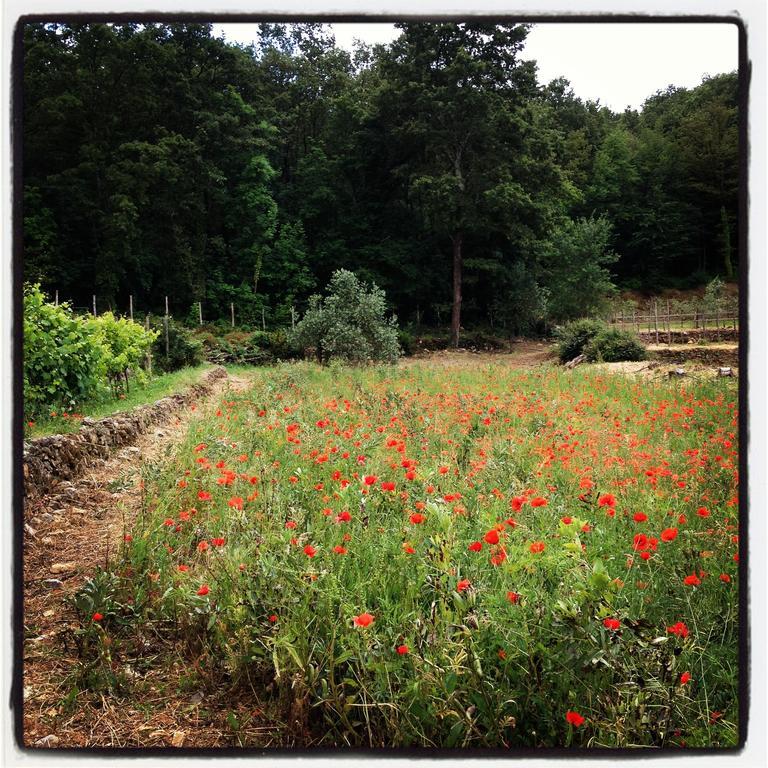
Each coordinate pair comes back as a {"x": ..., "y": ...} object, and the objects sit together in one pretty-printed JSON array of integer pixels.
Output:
[{"x": 160, "y": 160}]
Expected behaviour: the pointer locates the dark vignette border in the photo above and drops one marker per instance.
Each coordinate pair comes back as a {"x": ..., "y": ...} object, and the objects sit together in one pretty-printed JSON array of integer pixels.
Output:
[{"x": 17, "y": 97}]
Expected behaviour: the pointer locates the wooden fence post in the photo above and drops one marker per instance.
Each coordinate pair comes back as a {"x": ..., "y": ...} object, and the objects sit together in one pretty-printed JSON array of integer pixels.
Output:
[
  {"x": 200, "y": 311},
  {"x": 165, "y": 327},
  {"x": 130, "y": 307},
  {"x": 57, "y": 299},
  {"x": 293, "y": 318},
  {"x": 263, "y": 322},
  {"x": 94, "y": 305},
  {"x": 669, "y": 325},
  {"x": 232, "y": 311},
  {"x": 149, "y": 350},
  {"x": 656, "y": 319}
]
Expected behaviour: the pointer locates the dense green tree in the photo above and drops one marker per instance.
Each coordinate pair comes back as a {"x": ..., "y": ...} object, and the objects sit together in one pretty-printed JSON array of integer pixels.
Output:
[{"x": 159, "y": 160}]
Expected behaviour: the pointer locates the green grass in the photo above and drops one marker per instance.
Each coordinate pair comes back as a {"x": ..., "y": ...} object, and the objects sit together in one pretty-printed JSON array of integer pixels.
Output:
[
  {"x": 158, "y": 387},
  {"x": 537, "y": 543}
]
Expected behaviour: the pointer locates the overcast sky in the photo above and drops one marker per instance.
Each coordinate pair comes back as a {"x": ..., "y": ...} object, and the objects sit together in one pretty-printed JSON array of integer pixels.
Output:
[{"x": 619, "y": 64}]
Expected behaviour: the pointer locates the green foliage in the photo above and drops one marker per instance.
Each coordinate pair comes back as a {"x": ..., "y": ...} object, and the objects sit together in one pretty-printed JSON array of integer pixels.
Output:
[
  {"x": 126, "y": 344},
  {"x": 64, "y": 360},
  {"x": 251, "y": 179},
  {"x": 350, "y": 323},
  {"x": 612, "y": 345},
  {"x": 574, "y": 259},
  {"x": 574, "y": 336},
  {"x": 184, "y": 349}
]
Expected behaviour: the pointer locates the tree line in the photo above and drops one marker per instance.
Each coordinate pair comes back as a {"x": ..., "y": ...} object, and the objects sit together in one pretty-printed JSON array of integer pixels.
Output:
[{"x": 160, "y": 160}]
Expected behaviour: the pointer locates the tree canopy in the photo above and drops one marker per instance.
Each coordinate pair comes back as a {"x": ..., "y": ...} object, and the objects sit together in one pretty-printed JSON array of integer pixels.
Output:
[{"x": 159, "y": 160}]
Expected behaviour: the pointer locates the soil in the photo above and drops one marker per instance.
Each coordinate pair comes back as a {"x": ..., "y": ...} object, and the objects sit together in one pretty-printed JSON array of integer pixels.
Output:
[
  {"x": 522, "y": 354},
  {"x": 69, "y": 533}
]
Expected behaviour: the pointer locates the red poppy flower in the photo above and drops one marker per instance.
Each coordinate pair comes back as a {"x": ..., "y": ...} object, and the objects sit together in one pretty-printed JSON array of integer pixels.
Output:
[
  {"x": 236, "y": 502},
  {"x": 725, "y": 578},
  {"x": 513, "y": 597},
  {"x": 417, "y": 518},
  {"x": 339, "y": 550},
  {"x": 702, "y": 512},
  {"x": 612, "y": 624},
  {"x": 203, "y": 495},
  {"x": 669, "y": 534},
  {"x": 402, "y": 649},
  {"x": 408, "y": 549},
  {"x": 370, "y": 479},
  {"x": 290, "y": 524},
  {"x": 310, "y": 551},
  {"x": 462, "y": 585},
  {"x": 202, "y": 546},
  {"x": 640, "y": 542},
  {"x": 640, "y": 517},
  {"x": 204, "y": 590},
  {"x": 685, "y": 677},
  {"x": 607, "y": 500},
  {"x": 517, "y": 503},
  {"x": 574, "y": 718},
  {"x": 566, "y": 520},
  {"x": 537, "y": 547},
  {"x": 218, "y": 542},
  {"x": 679, "y": 629},
  {"x": 97, "y": 616},
  {"x": 539, "y": 502},
  {"x": 492, "y": 537},
  {"x": 273, "y": 618},
  {"x": 387, "y": 486},
  {"x": 692, "y": 581},
  {"x": 363, "y": 620},
  {"x": 475, "y": 546}
]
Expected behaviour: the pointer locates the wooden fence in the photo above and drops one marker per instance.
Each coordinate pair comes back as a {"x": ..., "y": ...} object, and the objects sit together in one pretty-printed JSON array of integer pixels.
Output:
[{"x": 661, "y": 323}]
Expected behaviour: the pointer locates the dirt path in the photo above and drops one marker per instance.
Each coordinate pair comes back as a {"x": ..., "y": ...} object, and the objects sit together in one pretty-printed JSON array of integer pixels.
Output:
[
  {"x": 523, "y": 354},
  {"x": 67, "y": 535}
]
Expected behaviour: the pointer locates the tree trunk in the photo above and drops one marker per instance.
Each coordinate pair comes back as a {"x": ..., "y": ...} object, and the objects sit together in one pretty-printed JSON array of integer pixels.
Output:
[{"x": 456, "y": 311}]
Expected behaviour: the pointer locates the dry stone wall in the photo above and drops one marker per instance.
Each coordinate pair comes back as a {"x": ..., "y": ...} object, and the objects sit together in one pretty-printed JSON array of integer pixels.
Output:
[{"x": 50, "y": 459}]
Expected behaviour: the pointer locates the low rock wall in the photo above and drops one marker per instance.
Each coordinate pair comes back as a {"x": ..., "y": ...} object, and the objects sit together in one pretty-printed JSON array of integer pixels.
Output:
[{"x": 50, "y": 459}]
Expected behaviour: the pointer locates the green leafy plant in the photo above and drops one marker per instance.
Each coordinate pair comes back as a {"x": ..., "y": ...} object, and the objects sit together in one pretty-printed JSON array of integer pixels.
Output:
[
  {"x": 64, "y": 360},
  {"x": 572, "y": 337},
  {"x": 350, "y": 323},
  {"x": 184, "y": 348},
  {"x": 613, "y": 345},
  {"x": 126, "y": 343}
]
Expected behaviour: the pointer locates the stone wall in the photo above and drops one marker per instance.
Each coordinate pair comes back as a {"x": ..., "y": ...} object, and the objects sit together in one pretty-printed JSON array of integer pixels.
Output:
[
  {"x": 714, "y": 356},
  {"x": 690, "y": 336},
  {"x": 50, "y": 459}
]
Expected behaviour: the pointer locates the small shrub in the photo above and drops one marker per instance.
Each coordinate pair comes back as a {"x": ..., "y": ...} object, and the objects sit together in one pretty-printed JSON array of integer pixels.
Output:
[
  {"x": 573, "y": 337},
  {"x": 184, "y": 349},
  {"x": 349, "y": 324},
  {"x": 613, "y": 346},
  {"x": 126, "y": 343},
  {"x": 64, "y": 361}
]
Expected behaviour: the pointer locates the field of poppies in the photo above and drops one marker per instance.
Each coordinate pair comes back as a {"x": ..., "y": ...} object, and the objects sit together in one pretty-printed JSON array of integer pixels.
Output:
[{"x": 444, "y": 558}]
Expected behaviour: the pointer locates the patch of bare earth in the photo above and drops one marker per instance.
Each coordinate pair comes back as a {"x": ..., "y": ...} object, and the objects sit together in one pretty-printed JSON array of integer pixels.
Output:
[
  {"x": 522, "y": 354},
  {"x": 68, "y": 534}
]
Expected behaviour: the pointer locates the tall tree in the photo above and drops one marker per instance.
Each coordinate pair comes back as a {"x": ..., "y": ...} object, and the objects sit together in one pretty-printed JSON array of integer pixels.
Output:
[{"x": 453, "y": 96}]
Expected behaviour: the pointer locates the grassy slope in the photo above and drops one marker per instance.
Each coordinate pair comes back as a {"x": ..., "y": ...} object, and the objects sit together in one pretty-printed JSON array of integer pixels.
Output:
[{"x": 158, "y": 387}]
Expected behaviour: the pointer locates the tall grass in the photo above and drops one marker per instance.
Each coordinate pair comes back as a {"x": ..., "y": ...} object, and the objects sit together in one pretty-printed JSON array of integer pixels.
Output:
[{"x": 555, "y": 543}]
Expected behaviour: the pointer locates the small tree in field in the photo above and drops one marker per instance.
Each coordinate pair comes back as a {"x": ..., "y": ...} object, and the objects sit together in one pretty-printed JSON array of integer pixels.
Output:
[{"x": 349, "y": 323}]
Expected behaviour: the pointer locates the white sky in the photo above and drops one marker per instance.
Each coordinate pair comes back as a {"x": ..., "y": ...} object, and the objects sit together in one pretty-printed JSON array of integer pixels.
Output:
[{"x": 619, "y": 64}]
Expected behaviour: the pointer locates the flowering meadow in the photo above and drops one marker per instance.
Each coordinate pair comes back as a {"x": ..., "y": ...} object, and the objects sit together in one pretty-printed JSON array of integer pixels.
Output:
[{"x": 445, "y": 558}]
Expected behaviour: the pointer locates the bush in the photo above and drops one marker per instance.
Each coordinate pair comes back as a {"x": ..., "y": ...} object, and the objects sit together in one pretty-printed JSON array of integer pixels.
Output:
[
  {"x": 126, "y": 344},
  {"x": 573, "y": 337},
  {"x": 183, "y": 348},
  {"x": 64, "y": 361},
  {"x": 349, "y": 324},
  {"x": 236, "y": 347},
  {"x": 613, "y": 346}
]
